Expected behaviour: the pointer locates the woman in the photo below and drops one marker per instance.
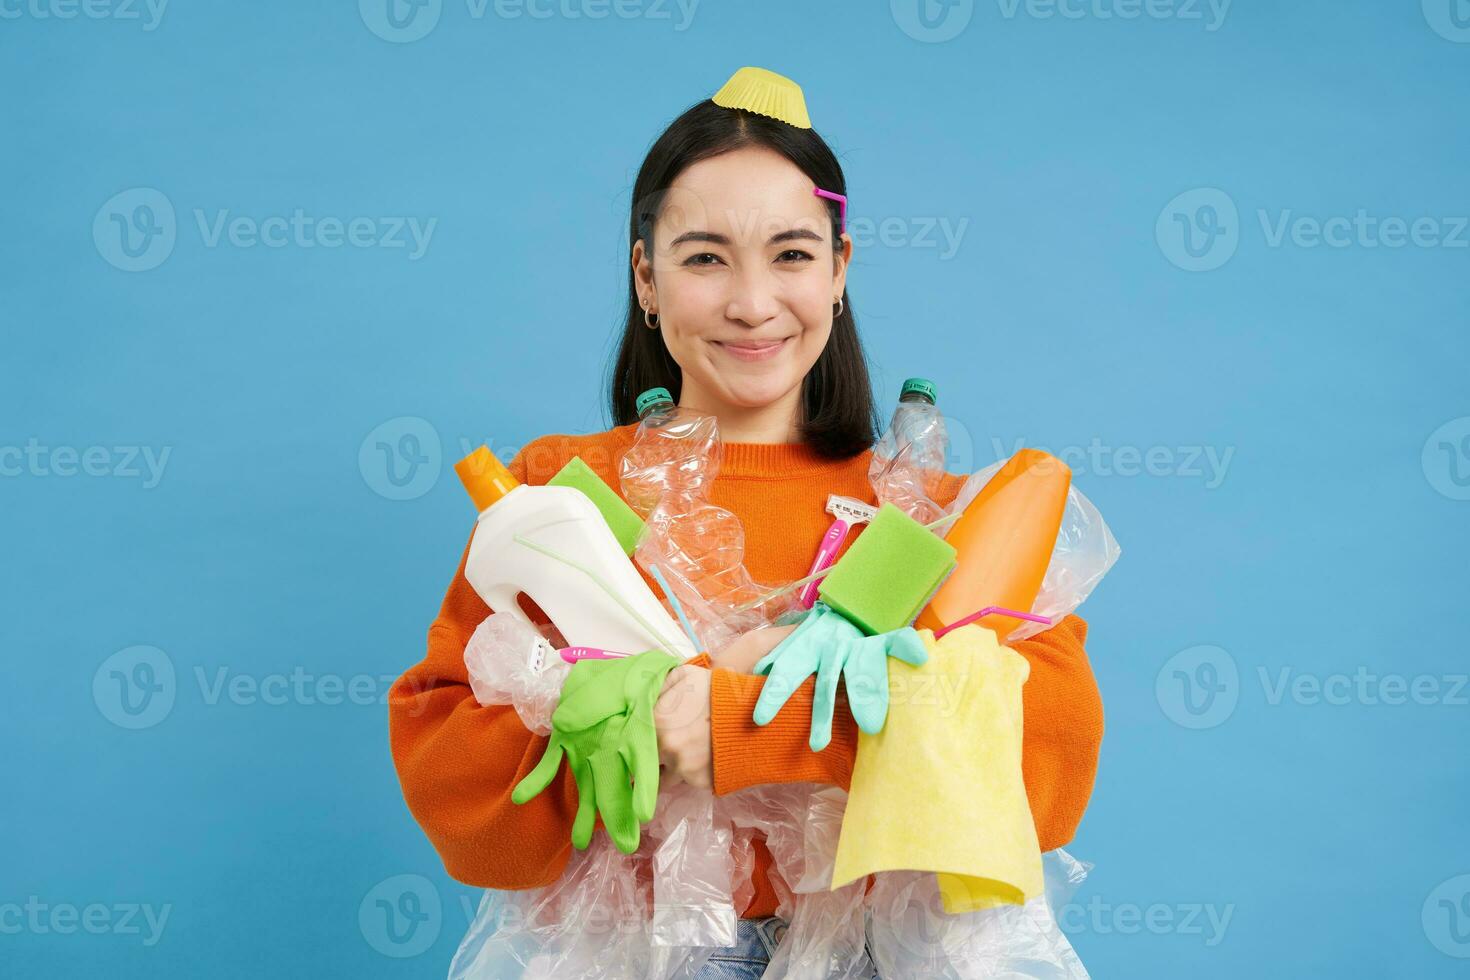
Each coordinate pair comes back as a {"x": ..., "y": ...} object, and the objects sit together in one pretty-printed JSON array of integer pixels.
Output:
[{"x": 737, "y": 304}]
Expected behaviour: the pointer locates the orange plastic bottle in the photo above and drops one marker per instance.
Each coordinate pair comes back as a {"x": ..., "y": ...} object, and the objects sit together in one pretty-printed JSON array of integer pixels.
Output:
[{"x": 1004, "y": 542}]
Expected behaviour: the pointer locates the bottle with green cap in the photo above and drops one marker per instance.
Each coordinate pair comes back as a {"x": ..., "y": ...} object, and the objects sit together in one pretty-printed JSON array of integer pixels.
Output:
[
  {"x": 675, "y": 450},
  {"x": 908, "y": 460}
]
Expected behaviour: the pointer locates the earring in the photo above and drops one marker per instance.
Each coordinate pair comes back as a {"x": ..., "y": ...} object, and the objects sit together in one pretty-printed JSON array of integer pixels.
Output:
[
  {"x": 646, "y": 323},
  {"x": 837, "y": 312}
]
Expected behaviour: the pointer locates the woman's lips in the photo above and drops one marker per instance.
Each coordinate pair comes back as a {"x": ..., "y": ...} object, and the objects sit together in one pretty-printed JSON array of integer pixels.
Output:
[{"x": 746, "y": 352}]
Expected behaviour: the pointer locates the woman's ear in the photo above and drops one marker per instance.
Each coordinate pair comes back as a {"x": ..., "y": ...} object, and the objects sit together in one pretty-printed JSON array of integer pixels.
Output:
[
  {"x": 643, "y": 274},
  {"x": 841, "y": 258}
]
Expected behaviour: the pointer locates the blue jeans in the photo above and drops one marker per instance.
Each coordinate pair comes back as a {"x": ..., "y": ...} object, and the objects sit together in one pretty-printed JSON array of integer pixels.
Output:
[{"x": 755, "y": 943}]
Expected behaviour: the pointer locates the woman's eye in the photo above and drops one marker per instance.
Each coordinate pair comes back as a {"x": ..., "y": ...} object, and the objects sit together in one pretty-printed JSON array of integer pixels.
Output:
[
  {"x": 701, "y": 257},
  {"x": 795, "y": 255}
]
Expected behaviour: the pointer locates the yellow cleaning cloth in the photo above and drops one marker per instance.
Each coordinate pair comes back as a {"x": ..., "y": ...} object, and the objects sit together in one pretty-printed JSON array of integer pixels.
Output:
[{"x": 940, "y": 787}]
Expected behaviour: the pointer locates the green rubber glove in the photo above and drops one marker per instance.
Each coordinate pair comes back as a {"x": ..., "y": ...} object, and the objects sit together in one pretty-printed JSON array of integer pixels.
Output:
[
  {"x": 829, "y": 645},
  {"x": 603, "y": 724}
]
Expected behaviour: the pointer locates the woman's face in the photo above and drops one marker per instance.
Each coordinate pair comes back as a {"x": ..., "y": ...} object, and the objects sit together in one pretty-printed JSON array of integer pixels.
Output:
[{"x": 743, "y": 277}]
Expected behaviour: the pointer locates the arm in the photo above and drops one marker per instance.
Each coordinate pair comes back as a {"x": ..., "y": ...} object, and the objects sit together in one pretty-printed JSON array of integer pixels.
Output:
[
  {"x": 1063, "y": 729},
  {"x": 458, "y": 761}
]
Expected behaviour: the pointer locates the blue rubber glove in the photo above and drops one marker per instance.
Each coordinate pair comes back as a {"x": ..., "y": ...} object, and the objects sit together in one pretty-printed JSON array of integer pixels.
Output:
[{"x": 829, "y": 645}]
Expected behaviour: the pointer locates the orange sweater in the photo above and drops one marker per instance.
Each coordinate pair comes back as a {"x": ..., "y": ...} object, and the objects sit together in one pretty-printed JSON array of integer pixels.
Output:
[{"x": 458, "y": 760}]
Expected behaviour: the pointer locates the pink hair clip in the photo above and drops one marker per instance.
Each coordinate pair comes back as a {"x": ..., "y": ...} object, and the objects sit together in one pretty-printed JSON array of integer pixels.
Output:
[{"x": 841, "y": 200}]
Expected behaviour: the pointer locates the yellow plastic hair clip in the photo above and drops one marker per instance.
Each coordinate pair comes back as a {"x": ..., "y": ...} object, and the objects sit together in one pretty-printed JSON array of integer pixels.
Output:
[{"x": 766, "y": 93}]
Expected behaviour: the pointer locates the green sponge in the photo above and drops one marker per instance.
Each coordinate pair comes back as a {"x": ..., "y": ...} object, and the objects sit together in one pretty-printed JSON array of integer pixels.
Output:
[
  {"x": 625, "y": 523},
  {"x": 889, "y": 573}
]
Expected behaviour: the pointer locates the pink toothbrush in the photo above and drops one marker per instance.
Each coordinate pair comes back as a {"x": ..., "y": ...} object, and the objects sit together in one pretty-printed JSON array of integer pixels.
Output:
[{"x": 847, "y": 512}]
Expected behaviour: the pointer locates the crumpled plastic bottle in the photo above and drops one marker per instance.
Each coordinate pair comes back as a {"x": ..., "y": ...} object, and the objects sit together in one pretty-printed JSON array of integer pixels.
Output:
[
  {"x": 908, "y": 460},
  {"x": 698, "y": 546}
]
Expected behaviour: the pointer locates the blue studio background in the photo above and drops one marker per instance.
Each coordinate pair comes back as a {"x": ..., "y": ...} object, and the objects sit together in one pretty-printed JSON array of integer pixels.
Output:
[{"x": 1215, "y": 256}]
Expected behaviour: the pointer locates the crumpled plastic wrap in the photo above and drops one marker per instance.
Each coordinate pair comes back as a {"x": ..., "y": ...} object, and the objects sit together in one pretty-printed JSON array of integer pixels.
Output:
[
  {"x": 511, "y": 663},
  {"x": 661, "y": 912},
  {"x": 1084, "y": 552},
  {"x": 698, "y": 547}
]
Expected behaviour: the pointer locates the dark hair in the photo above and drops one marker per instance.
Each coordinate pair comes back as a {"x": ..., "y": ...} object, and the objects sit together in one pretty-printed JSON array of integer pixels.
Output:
[{"x": 838, "y": 418}]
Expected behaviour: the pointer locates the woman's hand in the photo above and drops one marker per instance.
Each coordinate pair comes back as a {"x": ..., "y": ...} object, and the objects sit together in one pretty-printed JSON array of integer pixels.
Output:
[
  {"x": 748, "y": 648},
  {"x": 681, "y": 718}
]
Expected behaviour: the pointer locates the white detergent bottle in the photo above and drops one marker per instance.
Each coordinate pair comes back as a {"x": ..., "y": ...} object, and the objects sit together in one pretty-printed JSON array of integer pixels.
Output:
[{"x": 564, "y": 522}]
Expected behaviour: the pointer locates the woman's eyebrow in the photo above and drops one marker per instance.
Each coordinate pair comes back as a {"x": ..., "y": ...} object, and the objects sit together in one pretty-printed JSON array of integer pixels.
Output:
[{"x": 715, "y": 238}]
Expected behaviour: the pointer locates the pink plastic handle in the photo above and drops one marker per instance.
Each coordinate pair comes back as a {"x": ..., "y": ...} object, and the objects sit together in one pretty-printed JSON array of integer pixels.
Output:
[
  {"x": 841, "y": 200},
  {"x": 990, "y": 611},
  {"x": 826, "y": 554},
  {"x": 572, "y": 654}
]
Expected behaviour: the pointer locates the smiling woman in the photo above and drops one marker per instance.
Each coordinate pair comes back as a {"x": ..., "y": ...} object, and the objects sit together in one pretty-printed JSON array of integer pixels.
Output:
[
  {"x": 737, "y": 298},
  {"x": 738, "y": 306}
]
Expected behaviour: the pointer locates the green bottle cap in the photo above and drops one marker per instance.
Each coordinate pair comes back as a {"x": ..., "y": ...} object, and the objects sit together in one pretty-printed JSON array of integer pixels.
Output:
[
  {"x": 650, "y": 398},
  {"x": 920, "y": 386}
]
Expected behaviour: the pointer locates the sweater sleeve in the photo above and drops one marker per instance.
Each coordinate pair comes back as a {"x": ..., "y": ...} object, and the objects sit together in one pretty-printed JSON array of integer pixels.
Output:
[
  {"x": 458, "y": 761},
  {"x": 1062, "y": 734}
]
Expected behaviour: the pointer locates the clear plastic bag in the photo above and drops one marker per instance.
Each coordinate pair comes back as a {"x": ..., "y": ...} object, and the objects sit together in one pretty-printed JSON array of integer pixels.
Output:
[
  {"x": 1084, "y": 552},
  {"x": 510, "y": 663}
]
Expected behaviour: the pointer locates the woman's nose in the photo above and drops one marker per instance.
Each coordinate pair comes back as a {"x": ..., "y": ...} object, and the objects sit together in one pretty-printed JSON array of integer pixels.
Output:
[{"x": 753, "y": 299}]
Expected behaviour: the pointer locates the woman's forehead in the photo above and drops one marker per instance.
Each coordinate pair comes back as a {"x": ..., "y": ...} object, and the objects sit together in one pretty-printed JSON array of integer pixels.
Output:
[{"x": 746, "y": 194}]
